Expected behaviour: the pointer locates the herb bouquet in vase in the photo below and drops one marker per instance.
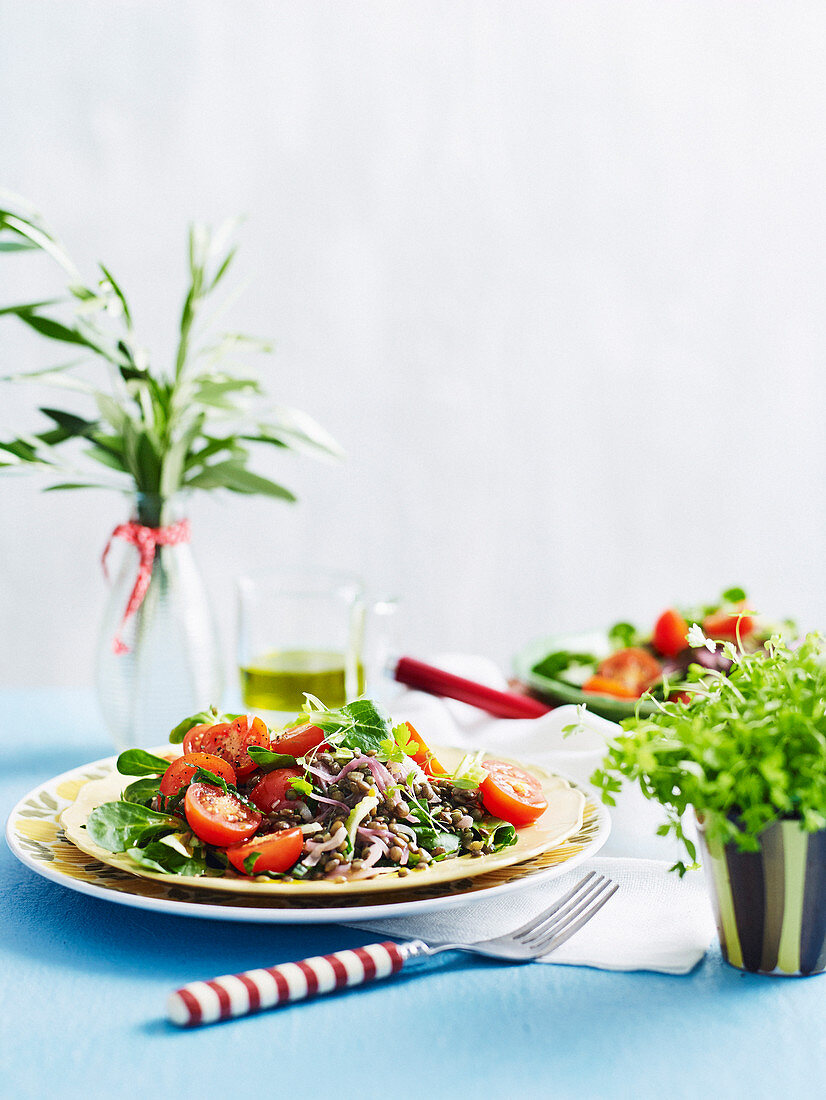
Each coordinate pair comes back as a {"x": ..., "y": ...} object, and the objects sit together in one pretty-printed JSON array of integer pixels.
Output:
[{"x": 157, "y": 436}]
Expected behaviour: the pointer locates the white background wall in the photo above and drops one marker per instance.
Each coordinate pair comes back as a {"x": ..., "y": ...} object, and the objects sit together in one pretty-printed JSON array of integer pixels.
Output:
[{"x": 552, "y": 273}]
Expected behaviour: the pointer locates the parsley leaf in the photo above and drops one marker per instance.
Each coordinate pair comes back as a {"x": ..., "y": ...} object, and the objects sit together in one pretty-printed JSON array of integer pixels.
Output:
[{"x": 302, "y": 786}]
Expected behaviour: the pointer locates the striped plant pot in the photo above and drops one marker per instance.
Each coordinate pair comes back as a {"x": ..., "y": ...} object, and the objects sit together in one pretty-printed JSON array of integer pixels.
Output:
[{"x": 770, "y": 905}]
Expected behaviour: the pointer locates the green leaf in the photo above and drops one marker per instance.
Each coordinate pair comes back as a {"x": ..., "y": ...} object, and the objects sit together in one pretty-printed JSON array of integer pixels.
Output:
[
  {"x": 250, "y": 862},
  {"x": 142, "y": 790},
  {"x": 118, "y": 293},
  {"x": 369, "y": 725},
  {"x": 111, "y": 411},
  {"x": 623, "y": 635},
  {"x": 29, "y": 306},
  {"x": 302, "y": 786},
  {"x": 561, "y": 661},
  {"x": 177, "y": 735},
  {"x": 164, "y": 859},
  {"x": 300, "y": 431},
  {"x": 470, "y": 773},
  {"x": 75, "y": 485},
  {"x": 436, "y": 838},
  {"x": 17, "y": 246},
  {"x": 496, "y": 833},
  {"x": 172, "y": 471},
  {"x": 734, "y": 595},
  {"x": 117, "y": 826},
  {"x": 106, "y": 457},
  {"x": 270, "y": 439},
  {"x": 52, "y": 329},
  {"x": 140, "y": 762},
  {"x": 233, "y": 476},
  {"x": 268, "y": 761},
  {"x": 215, "y": 389},
  {"x": 214, "y": 446},
  {"x": 223, "y": 268},
  {"x": 69, "y": 422},
  {"x": 39, "y": 237},
  {"x": 20, "y": 449}
]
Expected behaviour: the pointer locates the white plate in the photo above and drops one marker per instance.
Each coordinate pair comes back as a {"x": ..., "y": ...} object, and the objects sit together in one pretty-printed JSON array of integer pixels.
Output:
[{"x": 36, "y": 837}]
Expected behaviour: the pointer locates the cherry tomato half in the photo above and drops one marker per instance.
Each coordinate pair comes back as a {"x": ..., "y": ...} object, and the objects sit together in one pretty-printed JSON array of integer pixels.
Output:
[
  {"x": 181, "y": 771},
  {"x": 230, "y": 740},
  {"x": 424, "y": 757},
  {"x": 193, "y": 739},
  {"x": 512, "y": 793},
  {"x": 634, "y": 668},
  {"x": 670, "y": 632},
  {"x": 270, "y": 792},
  {"x": 275, "y": 852},
  {"x": 218, "y": 817},
  {"x": 722, "y": 626},
  {"x": 601, "y": 685},
  {"x": 298, "y": 740}
]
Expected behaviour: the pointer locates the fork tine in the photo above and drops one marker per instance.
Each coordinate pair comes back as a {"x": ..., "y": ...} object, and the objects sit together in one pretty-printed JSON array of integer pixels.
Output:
[
  {"x": 534, "y": 921},
  {"x": 559, "y": 937},
  {"x": 574, "y": 906}
]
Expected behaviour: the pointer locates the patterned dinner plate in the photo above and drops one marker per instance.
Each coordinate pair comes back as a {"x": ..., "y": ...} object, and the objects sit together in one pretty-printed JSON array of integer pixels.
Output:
[{"x": 37, "y": 836}]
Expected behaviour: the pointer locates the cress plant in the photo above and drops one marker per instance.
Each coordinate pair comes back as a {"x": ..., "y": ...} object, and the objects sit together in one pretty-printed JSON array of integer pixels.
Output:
[{"x": 747, "y": 749}]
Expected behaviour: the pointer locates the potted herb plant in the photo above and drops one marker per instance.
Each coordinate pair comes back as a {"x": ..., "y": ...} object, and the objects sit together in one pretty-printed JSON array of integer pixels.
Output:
[
  {"x": 747, "y": 753},
  {"x": 156, "y": 434}
]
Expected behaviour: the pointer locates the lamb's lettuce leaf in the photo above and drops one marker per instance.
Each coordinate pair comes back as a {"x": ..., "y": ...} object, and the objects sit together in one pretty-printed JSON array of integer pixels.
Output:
[
  {"x": 117, "y": 826},
  {"x": 140, "y": 762}
]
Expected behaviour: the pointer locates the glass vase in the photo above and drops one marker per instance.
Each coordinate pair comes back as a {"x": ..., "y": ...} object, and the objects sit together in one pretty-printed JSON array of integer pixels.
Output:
[{"x": 162, "y": 662}]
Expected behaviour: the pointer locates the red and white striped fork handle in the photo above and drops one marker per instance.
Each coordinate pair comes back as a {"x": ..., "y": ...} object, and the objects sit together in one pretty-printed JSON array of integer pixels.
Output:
[{"x": 242, "y": 994}]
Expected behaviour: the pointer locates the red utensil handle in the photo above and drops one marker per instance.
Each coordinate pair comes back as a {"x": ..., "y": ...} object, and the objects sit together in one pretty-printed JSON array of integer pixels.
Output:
[
  {"x": 504, "y": 704},
  {"x": 242, "y": 994}
]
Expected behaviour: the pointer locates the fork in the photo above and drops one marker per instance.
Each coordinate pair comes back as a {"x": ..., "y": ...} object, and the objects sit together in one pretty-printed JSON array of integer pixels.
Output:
[{"x": 243, "y": 994}]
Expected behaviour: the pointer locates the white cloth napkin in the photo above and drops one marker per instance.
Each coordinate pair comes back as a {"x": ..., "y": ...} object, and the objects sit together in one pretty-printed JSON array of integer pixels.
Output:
[{"x": 655, "y": 921}]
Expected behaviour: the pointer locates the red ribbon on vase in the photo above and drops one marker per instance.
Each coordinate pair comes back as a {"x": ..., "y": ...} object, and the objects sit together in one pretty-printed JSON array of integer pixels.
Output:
[{"x": 145, "y": 539}]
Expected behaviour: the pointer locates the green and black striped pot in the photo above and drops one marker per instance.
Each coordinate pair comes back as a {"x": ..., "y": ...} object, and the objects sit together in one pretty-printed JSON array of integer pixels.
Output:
[{"x": 770, "y": 905}]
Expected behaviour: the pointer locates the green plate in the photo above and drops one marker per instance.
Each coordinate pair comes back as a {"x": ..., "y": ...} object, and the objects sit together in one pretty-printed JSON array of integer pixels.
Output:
[{"x": 558, "y": 691}]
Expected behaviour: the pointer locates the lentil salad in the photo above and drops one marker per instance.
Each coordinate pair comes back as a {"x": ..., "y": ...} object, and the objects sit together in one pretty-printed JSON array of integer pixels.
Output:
[{"x": 342, "y": 795}]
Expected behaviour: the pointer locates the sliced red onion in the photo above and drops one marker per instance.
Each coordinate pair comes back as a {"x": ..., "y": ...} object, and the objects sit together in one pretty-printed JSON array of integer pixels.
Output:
[
  {"x": 314, "y": 854},
  {"x": 374, "y": 837},
  {"x": 316, "y": 848},
  {"x": 334, "y": 840},
  {"x": 382, "y": 776},
  {"x": 331, "y": 802},
  {"x": 374, "y": 854},
  {"x": 357, "y": 763},
  {"x": 325, "y": 777}
]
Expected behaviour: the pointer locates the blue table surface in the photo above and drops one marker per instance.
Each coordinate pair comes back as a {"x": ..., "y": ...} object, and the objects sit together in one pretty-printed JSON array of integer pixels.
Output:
[{"x": 84, "y": 984}]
